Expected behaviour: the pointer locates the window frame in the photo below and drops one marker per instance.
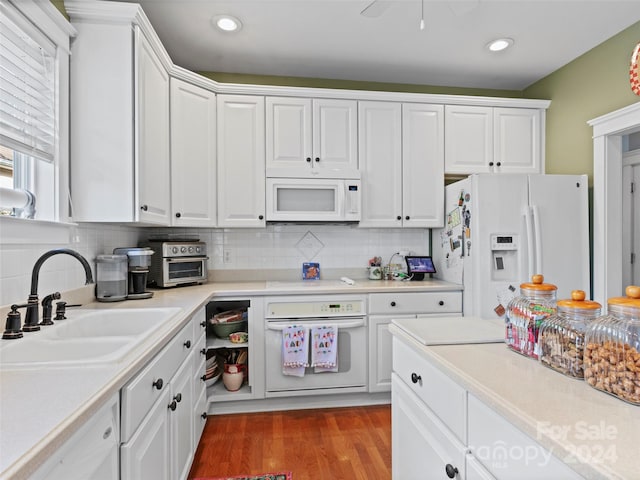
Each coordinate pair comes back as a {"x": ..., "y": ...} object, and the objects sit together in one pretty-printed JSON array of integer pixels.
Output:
[{"x": 45, "y": 19}]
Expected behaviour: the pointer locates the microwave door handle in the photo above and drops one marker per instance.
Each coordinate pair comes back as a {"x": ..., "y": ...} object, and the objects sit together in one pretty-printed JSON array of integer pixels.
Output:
[{"x": 279, "y": 326}]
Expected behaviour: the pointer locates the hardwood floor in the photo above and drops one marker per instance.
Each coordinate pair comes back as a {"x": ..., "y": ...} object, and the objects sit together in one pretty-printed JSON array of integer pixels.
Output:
[{"x": 322, "y": 444}]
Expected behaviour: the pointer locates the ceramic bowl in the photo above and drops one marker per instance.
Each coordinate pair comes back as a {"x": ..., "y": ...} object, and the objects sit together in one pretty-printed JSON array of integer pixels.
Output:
[{"x": 239, "y": 337}]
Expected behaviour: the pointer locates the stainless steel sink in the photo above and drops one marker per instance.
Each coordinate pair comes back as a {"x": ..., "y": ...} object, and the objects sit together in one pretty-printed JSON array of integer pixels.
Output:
[{"x": 87, "y": 337}]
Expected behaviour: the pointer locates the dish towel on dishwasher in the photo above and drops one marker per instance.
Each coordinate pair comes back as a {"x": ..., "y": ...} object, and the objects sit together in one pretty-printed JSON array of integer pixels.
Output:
[
  {"x": 295, "y": 350},
  {"x": 324, "y": 348}
]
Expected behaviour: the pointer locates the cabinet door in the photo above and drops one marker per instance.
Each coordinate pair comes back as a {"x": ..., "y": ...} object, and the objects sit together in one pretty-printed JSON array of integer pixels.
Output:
[
  {"x": 422, "y": 165},
  {"x": 475, "y": 470},
  {"x": 507, "y": 452},
  {"x": 152, "y": 139},
  {"x": 421, "y": 446},
  {"x": 147, "y": 455},
  {"x": 288, "y": 142},
  {"x": 380, "y": 354},
  {"x": 517, "y": 140},
  {"x": 181, "y": 420},
  {"x": 92, "y": 452},
  {"x": 380, "y": 151},
  {"x": 241, "y": 161},
  {"x": 193, "y": 155},
  {"x": 335, "y": 126},
  {"x": 468, "y": 139}
]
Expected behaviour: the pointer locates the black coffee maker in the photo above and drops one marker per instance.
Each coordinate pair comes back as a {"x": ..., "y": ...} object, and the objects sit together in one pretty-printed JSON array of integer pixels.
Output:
[{"x": 139, "y": 261}]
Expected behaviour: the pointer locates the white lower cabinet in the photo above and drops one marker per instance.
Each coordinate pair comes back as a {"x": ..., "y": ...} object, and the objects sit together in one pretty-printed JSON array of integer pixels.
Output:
[
  {"x": 384, "y": 307},
  {"x": 422, "y": 447},
  {"x": 92, "y": 452},
  {"x": 146, "y": 454},
  {"x": 506, "y": 452},
  {"x": 475, "y": 470},
  {"x": 440, "y": 430},
  {"x": 160, "y": 432}
]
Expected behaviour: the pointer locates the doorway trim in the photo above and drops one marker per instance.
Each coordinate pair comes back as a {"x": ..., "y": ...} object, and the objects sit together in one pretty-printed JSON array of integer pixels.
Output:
[{"x": 608, "y": 131}]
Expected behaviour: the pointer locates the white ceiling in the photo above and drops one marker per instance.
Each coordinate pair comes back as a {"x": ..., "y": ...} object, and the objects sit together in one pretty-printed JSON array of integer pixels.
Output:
[{"x": 331, "y": 39}]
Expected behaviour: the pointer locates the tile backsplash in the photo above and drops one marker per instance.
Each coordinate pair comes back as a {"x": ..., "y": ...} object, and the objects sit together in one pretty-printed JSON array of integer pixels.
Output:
[{"x": 275, "y": 247}]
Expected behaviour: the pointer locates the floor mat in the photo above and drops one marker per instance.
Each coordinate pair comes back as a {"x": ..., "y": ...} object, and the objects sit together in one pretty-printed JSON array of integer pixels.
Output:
[{"x": 264, "y": 476}]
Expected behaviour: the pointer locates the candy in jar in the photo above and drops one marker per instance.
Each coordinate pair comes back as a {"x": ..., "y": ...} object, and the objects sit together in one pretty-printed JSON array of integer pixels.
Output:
[{"x": 525, "y": 314}]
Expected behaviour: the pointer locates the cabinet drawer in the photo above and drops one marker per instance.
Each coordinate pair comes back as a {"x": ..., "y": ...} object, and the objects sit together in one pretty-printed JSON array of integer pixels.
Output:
[
  {"x": 422, "y": 447},
  {"x": 144, "y": 389},
  {"x": 507, "y": 452},
  {"x": 415, "y": 302},
  {"x": 443, "y": 396}
]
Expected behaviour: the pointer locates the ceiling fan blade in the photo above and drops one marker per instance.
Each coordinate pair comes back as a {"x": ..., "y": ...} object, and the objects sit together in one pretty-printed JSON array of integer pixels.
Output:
[{"x": 376, "y": 8}]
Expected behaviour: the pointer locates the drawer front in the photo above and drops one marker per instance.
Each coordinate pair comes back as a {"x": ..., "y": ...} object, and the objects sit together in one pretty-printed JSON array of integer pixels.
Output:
[
  {"x": 443, "y": 396},
  {"x": 139, "y": 395},
  {"x": 507, "y": 452},
  {"x": 415, "y": 302},
  {"x": 422, "y": 447}
]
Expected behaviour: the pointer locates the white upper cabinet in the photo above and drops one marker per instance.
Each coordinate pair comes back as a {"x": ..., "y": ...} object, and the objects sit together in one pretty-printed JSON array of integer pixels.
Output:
[
  {"x": 241, "y": 169},
  {"x": 193, "y": 155},
  {"x": 481, "y": 139},
  {"x": 517, "y": 140},
  {"x": 119, "y": 118},
  {"x": 311, "y": 138},
  {"x": 380, "y": 150},
  {"x": 422, "y": 165},
  {"x": 468, "y": 139},
  {"x": 401, "y": 148}
]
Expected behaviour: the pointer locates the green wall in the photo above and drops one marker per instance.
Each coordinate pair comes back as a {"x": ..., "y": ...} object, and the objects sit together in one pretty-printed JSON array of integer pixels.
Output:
[
  {"x": 594, "y": 84},
  {"x": 355, "y": 85}
]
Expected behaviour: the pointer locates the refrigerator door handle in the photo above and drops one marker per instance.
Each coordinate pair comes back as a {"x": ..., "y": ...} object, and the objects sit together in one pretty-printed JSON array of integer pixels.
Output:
[
  {"x": 528, "y": 221},
  {"x": 538, "y": 240}
]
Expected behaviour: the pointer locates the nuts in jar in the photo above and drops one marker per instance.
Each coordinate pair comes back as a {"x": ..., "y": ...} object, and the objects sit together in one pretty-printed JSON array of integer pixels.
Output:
[
  {"x": 612, "y": 348},
  {"x": 561, "y": 336},
  {"x": 614, "y": 368}
]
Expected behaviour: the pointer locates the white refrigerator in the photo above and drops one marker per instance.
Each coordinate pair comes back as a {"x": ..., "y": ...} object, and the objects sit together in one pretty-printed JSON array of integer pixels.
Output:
[{"x": 500, "y": 229}]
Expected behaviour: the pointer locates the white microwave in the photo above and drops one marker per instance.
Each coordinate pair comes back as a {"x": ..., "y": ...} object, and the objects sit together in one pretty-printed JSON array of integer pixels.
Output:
[{"x": 313, "y": 200}]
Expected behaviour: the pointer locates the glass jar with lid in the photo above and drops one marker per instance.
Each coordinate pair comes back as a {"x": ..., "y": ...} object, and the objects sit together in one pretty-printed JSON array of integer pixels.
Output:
[
  {"x": 525, "y": 314},
  {"x": 562, "y": 336},
  {"x": 612, "y": 348}
]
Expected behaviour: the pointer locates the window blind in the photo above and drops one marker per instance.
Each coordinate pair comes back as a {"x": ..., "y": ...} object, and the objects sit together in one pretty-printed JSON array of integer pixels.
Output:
[{"x": 27, "y": 87}]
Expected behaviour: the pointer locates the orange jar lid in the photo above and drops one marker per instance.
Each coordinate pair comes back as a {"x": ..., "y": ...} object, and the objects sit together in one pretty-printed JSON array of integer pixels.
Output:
[
  {"x": 578, "y": 301},
  {"x": 631, "y": 300},
  {"x": 537, "y": 283}
]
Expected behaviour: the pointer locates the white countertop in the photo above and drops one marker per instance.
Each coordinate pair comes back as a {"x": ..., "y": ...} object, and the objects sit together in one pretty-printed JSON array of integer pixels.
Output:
[
  {"x": 535, "y": 398},
  {"x": 41, "y": 408}
]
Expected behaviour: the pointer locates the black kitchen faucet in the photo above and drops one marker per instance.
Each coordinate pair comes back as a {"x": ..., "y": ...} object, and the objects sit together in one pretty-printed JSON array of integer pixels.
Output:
[{"x": 31, "y": 321}]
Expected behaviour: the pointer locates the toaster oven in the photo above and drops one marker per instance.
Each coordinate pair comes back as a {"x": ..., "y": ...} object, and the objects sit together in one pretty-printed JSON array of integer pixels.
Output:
[{"x": 177, "y": 263}]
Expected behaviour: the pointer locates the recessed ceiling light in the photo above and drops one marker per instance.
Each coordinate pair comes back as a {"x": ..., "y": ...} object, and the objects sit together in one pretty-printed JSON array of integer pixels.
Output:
[
  {"x": 227, "y": 23},
  {"x": 500, "y": 44}
]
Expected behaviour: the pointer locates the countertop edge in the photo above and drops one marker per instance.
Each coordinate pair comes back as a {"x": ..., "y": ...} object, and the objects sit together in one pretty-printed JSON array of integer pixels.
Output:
[{"x": 29, "y": 462}]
